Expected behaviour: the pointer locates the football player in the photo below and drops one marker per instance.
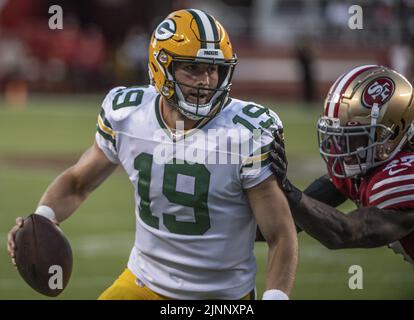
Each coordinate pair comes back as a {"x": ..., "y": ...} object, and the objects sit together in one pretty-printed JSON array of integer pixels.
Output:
[
  {"x": 195, "y": 222},
  {"x": 366, "y": 139}
]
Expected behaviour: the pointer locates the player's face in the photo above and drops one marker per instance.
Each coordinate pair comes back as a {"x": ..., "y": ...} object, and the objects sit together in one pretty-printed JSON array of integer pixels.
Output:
[
  {"x": 355, "y": 143},
  {"x": 197, "y": 75}
]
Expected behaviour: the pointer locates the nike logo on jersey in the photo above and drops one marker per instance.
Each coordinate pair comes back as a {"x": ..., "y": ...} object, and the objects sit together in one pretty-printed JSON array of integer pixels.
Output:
[{"x": 391, "y": 172}]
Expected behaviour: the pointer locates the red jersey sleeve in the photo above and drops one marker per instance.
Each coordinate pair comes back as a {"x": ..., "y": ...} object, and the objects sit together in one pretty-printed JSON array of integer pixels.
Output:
[{"x": 392, "y": 187}]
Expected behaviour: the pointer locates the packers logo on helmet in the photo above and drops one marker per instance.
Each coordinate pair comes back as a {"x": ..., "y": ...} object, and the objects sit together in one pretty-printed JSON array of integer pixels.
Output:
[
  {"x": 191, "y": 36},
  {"x": 165, "y": 30}
]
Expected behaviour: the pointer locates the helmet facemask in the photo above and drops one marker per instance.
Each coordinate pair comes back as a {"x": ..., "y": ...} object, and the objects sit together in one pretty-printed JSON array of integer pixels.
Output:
[
  {"x": 218, "y": 95},
  {"x": 351, "y": 151},
  {"x": 191, "y": 36}
]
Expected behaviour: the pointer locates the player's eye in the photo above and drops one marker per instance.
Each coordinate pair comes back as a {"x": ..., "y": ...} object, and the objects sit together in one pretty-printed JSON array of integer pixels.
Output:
[
  {"x": 190, "y": 67},
  {"x": 212, "y": 69},
  {"x": 336, "y": 144},
  {"x": 358, "y": 142}
]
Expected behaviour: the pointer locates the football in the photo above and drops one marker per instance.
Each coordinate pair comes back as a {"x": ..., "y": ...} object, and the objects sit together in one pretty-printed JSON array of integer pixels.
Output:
[{"x": 43, "y": 255}]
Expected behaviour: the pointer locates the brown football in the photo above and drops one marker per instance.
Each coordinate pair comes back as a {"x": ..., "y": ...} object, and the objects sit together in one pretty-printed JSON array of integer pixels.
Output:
[{"x": 43, "y": 255}]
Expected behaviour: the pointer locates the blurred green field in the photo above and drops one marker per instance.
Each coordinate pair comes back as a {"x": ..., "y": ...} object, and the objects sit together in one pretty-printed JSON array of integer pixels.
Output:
[{"x": 102, "y": 230}]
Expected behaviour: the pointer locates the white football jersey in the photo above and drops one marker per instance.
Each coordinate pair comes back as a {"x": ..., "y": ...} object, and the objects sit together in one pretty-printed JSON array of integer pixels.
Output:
[{"x": 195, "y": 230}]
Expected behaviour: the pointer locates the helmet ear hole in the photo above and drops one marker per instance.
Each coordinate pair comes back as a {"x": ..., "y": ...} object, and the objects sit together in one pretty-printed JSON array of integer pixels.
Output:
[
  {"x": 165, "y": 91},
  {"x": 403, "y": 123},
  {"x": 396, "y": 133},
  {"x": 163, "y": 57}
]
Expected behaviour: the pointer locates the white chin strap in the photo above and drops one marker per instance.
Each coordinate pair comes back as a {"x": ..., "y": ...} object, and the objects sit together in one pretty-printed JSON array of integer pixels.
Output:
[
  {"x": 190, "y": 110},
  {"x": 375, "y": 114},
  {"x": 187, "y": 109},
  {"x": 354, "y": 169}
]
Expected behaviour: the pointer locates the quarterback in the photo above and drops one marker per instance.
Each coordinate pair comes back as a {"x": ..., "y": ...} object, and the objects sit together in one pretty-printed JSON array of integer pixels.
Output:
[
  {"x": 366, "y": 139},
  {"x": 195, "y": 220}
]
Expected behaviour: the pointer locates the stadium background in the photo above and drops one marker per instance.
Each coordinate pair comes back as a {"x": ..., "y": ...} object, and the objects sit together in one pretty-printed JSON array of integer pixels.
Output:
[{"x": 52, "y": 83}]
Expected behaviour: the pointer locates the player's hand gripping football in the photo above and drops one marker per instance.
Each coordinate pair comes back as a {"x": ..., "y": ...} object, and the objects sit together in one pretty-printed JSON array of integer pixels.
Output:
[
  {"x": 279, "y": 168},
  {"x": 11, "y": 244}
]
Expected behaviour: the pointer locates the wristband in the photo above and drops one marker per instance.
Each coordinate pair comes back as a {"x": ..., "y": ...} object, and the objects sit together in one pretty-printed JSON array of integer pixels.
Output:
[
  {"x": 274, "y": 294},
  {"x": 46, "y": 212}
]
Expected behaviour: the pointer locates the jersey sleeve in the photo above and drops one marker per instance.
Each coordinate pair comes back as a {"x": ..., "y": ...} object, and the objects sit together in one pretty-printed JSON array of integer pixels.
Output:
[
  {"x": 392, "y": 187},
  {"x": 255, "y": 166},
  {"x": 344, "y": 186},
  {"x": 105, "y": 136}
]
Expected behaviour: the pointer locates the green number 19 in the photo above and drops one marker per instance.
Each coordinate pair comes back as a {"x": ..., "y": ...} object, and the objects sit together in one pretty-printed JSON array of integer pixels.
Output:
[{"x": 197, "y": 201}]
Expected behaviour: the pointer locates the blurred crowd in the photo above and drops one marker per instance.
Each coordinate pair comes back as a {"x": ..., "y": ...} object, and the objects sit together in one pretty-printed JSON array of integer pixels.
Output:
[
  {"x": 78, "y": 58},
  {"x": 388, "y": 25},
  {"x": 104, "y": 42}
]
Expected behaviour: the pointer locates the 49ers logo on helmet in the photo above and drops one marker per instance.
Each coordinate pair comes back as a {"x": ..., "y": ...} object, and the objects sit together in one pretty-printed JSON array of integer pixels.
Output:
[{"x": 378, "y": 91}]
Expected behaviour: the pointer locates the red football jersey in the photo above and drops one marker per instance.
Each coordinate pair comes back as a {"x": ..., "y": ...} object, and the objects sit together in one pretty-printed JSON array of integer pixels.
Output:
[{"x": 390, "y": 186}]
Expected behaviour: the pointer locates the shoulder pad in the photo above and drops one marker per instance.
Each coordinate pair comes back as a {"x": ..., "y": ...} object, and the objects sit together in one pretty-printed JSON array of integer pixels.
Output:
[
  {"x": 252, "y": 116},
  {"x": 120, "y": 102},
  {"x": 392, "y": 185}
]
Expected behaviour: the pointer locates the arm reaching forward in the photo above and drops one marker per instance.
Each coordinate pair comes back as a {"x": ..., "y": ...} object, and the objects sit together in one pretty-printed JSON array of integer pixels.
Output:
[{"x": 362, "y": 228}]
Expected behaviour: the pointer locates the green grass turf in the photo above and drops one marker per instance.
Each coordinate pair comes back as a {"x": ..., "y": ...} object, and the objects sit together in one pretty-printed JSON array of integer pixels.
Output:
[{"x": 102, "y": 230}]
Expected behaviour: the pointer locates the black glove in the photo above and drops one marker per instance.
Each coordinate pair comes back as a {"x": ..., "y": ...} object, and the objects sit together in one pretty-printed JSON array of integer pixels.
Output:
[{"x": 279, "y": 168}]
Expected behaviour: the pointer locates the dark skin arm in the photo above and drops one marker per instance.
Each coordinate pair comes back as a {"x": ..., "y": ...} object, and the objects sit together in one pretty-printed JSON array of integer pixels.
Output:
[
  {"x": 323, "y": 190},
  {"x": 365, "y": 227}
]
